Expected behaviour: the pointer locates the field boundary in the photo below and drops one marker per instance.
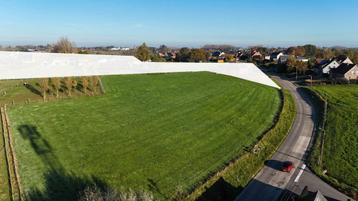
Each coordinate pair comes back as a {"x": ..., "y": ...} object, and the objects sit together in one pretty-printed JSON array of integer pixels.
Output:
[
  {"x": 316, "y": 153},
  {"x": 11, "y": 160},
  {"x": 260, "y": 146}
]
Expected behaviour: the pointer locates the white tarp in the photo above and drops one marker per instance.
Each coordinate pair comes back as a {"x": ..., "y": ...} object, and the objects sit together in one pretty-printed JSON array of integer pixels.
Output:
[{"x": 24, "y": 65}]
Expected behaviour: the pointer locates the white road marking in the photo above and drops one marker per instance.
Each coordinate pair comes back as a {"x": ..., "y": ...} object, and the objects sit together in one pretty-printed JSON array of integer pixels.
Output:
[{"x": 300, "y": 173}]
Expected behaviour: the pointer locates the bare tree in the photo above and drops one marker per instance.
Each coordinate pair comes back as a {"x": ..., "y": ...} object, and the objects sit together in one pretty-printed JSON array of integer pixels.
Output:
[
  {"x": 64, "y": 45},
  {"x": 95, "y": 82},
  {"x": 85, "y": 84},
  {"x": 69, "y": 85},
  {"x": 56, "y": 84},
  {"x": 44, "y": 87}
]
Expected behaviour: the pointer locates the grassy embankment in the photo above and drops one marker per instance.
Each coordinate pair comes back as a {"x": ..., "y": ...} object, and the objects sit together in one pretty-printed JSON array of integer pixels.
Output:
[
  {"x": 163, "y": 133},
  {"x": 228, "y": 183}
]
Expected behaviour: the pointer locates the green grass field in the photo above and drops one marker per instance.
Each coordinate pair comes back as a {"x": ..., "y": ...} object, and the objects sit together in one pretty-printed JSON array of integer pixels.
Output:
[
  {"x": 154, "y": 132},
  {"x": 340, "y": 155}
]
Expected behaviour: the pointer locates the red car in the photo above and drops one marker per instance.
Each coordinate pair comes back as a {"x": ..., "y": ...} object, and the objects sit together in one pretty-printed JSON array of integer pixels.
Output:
[{"x": 287, "y": 166}]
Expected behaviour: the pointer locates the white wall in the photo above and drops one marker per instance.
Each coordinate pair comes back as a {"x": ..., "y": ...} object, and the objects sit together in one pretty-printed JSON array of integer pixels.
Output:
[{"x": 23, "y": 65}]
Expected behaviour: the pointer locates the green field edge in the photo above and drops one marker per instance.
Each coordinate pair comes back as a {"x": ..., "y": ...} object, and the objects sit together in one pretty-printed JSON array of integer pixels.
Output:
[
  {"x": 264, "y": 143},
  {"x": 314, "y": 155},
  {"x": 239, "y": 171}
]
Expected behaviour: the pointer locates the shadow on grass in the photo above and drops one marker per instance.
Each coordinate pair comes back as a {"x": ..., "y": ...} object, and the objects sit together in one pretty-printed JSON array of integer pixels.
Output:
[
  {"x": 33, "y": 89},
  {"x": 63, "y": 186},
  {"x": 59, "y": 185},
  {"x": 220, "y": 191}
]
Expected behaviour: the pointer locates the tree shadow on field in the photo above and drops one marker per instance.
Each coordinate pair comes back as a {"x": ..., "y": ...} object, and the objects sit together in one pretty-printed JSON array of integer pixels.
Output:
[
  {"x": 59, "y": 184},
  {"x": 62, "y": 186},
  {"x": 40, "y": 145},
  {"x": 32, "y": 89},
  {"x": 221, "y": 190}
]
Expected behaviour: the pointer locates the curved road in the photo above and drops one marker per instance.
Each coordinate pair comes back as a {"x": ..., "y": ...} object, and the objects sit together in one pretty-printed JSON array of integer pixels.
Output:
[{"x": 270, "y": 183}]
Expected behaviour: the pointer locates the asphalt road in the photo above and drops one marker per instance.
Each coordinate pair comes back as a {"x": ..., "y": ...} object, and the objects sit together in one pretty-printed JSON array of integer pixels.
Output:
[{"x": 270, "y": 183}]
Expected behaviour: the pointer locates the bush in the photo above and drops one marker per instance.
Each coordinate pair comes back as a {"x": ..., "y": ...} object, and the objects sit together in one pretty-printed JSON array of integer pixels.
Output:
[{"x": 96, "y": 194}]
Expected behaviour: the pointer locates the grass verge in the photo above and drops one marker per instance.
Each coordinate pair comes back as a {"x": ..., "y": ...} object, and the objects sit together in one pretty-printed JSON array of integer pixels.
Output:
[
  {"x": 228, "y": 183},
  {"x": 335, "y": 147}
]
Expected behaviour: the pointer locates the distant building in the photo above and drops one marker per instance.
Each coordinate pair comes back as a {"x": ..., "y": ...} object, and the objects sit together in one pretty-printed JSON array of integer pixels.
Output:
[
  {"x": 345, "y": 72},
  {"x": 256, "y": 55},
  {"x": 218, "y": 56},
  {"x": 276, "y": 56},
  {"x": 343, "y": 60},
  {"x": 327, "y": 65},
  {"x": 283, "y": 58},
  {"x": 119, "y": 49},
  {"x": 302, "y": 59},
  {"x": 268, "y": 58}
]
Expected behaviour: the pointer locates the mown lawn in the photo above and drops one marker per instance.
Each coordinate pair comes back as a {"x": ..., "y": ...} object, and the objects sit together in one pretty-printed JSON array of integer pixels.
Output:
[
  {"x": 340, "y": 153},
  {"x": 154, "y": 132}
]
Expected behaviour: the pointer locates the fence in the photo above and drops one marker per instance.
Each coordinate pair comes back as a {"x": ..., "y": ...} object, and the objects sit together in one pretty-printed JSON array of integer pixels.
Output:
[{"x": 11, "y": 161}]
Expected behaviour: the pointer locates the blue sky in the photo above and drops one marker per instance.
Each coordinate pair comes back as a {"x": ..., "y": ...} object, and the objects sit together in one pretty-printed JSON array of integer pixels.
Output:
[{"x": 180, "y": 22}]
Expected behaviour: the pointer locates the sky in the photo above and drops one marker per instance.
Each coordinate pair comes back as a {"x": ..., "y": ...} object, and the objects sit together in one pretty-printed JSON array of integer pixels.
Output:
[{"x": 177, "y": 23}]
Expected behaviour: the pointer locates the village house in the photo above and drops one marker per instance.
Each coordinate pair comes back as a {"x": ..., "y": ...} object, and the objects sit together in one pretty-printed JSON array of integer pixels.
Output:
[
  {"x": 218, "y": 56},
  {"x": 283, "y": 59},
  {"x": 327, "y": 65},
  {"x": 345, "y": 72},
  {"x": 256, "y": 55},
  {"x": 276, "y": 56}
]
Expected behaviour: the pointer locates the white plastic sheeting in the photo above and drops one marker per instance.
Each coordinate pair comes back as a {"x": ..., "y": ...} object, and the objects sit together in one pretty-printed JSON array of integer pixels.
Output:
[{"x": 24, "y": 65}]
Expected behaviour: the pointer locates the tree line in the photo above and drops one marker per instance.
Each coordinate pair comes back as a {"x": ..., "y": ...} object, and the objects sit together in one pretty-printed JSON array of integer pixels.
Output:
[
  {"x": 144, "y": 53},
  {"x": 86, "y": 85}
]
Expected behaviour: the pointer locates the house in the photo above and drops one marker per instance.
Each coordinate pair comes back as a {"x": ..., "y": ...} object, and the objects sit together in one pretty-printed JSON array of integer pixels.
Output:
[
  {"x": 327, "y": 65},
  {"x": 218, "y": 56},
  {"x": 283, "y": 58},
  {"x": 343, "y": 60},
  {"x": 345, "y": 72},
  {"x": 256, "y": 55},
  {"x": 276, "y": 56}
]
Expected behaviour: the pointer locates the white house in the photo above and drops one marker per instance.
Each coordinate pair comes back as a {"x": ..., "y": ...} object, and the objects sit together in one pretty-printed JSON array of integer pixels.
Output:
[
  {"x": 334, "y": 63},
  {"x": 276, "y": 56},
  {"x": 283, "y": 58},
  {"x": 326, "y": 68}
]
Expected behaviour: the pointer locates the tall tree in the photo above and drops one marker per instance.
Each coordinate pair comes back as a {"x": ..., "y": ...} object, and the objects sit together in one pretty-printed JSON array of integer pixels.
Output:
[
  {"x": 310, "y": 50},
  {"x": 198, "y": 55},
  {"x": 291, "y": 63},
  {"x": 85, "y": 84},
  {"x": 143, "y": 53},
  {"x": 163, "y": 49},
  {"x": 183, "y": 55},
  {"x": 44, "y": 87},
  {"x": 69, "y": 85},
  {"x": 56, "y": 84},
  {"x": 94, "y": 83},
  {"x": 64, "y": 45}
]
